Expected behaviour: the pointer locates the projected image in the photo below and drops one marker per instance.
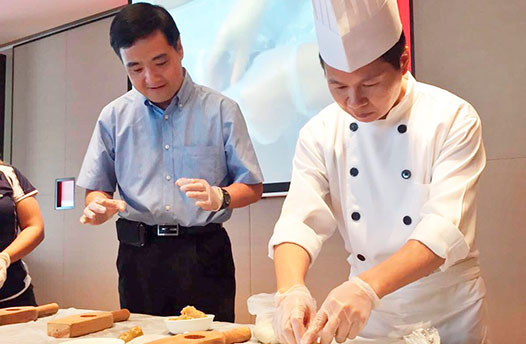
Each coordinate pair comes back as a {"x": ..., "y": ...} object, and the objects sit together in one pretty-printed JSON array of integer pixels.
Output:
[{"x": 264, "y": 55}]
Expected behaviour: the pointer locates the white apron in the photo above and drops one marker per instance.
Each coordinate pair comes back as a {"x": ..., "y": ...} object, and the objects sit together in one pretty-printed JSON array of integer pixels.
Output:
[{"x": 411, "y": 176}]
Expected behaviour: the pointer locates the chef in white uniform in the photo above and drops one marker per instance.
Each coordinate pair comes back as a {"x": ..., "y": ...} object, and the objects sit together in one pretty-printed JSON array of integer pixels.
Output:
[{"x": 393, "y": 165}]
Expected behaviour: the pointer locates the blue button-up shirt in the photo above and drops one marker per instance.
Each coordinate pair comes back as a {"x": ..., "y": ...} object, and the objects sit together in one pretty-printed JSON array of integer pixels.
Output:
[{"x": 143, "y": 150}]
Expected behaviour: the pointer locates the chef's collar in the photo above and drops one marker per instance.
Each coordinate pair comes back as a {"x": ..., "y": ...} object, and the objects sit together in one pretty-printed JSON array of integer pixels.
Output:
[
  {"x": 182, "y": 96},
  {"x": 400, "y": 110}
]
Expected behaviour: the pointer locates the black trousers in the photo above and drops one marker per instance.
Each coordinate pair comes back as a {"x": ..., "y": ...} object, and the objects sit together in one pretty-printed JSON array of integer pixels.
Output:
[
  {"x": 169, "y": 273},
  {"x": 27, "y": 298}
]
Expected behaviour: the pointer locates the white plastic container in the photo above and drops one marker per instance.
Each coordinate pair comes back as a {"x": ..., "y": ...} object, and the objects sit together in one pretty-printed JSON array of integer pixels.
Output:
[{"x": 181, "y": 326}]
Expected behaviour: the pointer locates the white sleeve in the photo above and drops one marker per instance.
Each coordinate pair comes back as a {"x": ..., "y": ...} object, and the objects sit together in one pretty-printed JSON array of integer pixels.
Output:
[
  {"x": 306, "y": 218},
  {"x": 448, "y": 217},
  {"x": 20, "y": 185}
]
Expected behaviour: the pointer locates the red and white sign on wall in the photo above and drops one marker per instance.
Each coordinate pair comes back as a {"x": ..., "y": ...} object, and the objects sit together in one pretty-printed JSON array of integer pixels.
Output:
[{"x": 65, "y": 193}]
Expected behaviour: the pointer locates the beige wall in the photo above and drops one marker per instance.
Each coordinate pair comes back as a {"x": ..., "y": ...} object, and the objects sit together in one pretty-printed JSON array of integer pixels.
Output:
[
  {"x": 475, "y": 48},
  {"x": 469, "y": 47},
  {"x": 60, "y": 84}
]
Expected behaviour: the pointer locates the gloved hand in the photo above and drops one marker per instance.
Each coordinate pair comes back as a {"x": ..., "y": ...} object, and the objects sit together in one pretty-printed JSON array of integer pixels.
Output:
[
  {"x": 5, "y": 261},
  {"x": 207, "y": 197},
  {"x": 101, "y": 209},
  {"x": 294, "y": 310},
  {"x": 343, "y": 314}
]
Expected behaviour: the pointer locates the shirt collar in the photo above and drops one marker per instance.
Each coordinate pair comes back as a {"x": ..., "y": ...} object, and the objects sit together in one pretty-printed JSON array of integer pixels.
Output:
[{"x": 186, "y": 89}]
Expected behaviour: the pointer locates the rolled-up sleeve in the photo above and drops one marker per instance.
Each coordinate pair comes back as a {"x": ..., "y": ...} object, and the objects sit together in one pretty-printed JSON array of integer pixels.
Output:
[
  {"x": 242, "y": 163},
  {"x": 448, "y": 217},
  {"x": 306, "y": 218},
  {"x": 98, "y": 168}
]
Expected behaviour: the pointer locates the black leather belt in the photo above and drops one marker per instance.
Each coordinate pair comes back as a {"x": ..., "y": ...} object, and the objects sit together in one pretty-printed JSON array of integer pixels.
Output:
[
  {"x": 177, "y": 230},
  {"x": 136, "y": 233}
]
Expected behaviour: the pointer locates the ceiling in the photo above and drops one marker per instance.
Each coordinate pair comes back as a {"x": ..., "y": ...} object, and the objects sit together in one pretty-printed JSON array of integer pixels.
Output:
[{"x": 23, "y": 18}]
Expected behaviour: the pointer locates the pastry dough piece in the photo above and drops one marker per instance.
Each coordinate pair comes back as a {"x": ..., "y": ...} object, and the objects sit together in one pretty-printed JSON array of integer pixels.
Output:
[
  {"x": 192, "y": 312},
  {"x": 134, "y": 332},
  {"x": 189, "y": 312},
  {"x": 263, "y": 330}
]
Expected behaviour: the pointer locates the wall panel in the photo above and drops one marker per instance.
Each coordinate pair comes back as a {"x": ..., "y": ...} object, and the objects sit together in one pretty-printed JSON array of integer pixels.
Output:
[
  {"x": 475, "y": 49},
  {"x": 61, "y": 83}
]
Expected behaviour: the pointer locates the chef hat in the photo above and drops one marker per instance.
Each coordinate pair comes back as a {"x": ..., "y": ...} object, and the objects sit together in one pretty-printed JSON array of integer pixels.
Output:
[{"x": 353, "y": 33}]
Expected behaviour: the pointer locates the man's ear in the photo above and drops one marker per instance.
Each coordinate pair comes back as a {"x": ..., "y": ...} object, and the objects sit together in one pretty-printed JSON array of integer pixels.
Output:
[
  {"x": 179, "y": 48},
  {"x": 405, "y": 59}
]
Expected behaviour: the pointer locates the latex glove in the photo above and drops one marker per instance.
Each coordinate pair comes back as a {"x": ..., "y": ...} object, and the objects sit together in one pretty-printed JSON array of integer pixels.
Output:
[
  {"x": 101, "y": 209},
  {"x": 5, "y": 261},
  {"x": 343, "y": 314},
  {"x": 294, "y": 310},
  {"x": 207, "y": 197}
]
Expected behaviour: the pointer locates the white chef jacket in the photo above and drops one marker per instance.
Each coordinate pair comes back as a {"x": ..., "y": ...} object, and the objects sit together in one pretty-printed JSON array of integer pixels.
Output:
[{"x": 412, "y": 175}]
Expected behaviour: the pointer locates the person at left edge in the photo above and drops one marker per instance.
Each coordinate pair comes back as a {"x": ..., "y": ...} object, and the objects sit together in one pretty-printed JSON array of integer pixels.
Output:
[
  {"x": 21, "y": 231},
  {"x": 181, "y": 157}
]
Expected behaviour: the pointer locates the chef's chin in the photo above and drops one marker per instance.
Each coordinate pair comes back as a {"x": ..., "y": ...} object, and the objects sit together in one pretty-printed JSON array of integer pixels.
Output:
[{"x": 365, "y": 117}]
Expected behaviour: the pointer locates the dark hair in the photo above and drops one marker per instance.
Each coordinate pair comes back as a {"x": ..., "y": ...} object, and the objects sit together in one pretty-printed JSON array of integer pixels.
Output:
[
  {"x": 140, "y": 20},
  {"x": 391, "y": 56}
]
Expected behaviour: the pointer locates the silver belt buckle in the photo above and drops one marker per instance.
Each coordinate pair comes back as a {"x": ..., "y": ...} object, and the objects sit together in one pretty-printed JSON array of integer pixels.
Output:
[{"x": 168, "y": 230}]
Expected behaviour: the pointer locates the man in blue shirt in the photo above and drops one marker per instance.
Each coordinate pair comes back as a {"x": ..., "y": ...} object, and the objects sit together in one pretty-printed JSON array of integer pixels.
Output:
[{"x": 181, "y": 157}]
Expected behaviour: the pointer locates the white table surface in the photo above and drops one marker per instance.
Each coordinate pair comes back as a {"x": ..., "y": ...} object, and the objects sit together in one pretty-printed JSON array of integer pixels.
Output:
[
  {"x": 35, "y": 332},
  {"x": 153, "y": 327}
]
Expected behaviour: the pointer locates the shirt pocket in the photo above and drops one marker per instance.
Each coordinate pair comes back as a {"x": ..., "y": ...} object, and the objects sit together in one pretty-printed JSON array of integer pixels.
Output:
[{"x": 203, "y": 162}]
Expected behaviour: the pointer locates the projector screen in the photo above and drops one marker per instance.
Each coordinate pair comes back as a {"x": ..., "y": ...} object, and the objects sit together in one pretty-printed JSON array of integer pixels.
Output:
[{"x": 264, "y": 55}]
